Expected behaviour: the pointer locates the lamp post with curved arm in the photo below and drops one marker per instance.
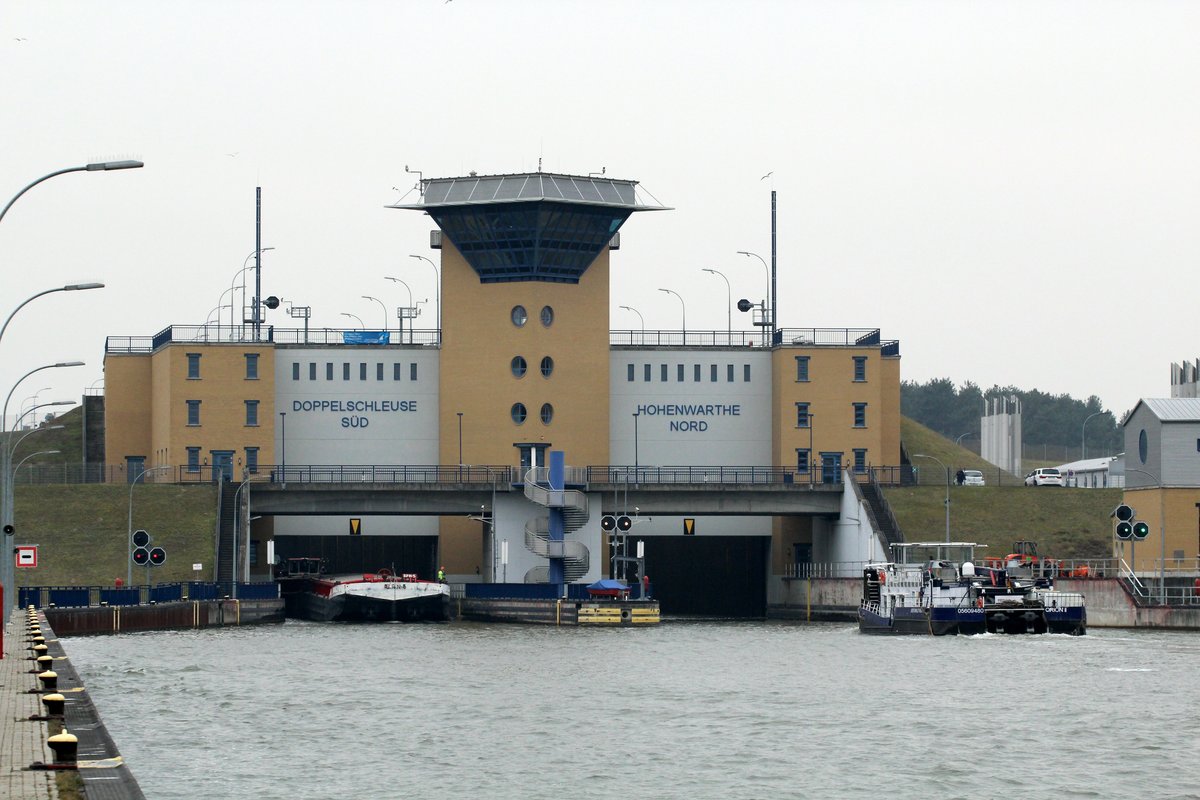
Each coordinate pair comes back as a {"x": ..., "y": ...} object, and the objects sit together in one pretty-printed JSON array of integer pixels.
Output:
[
  {"x": 682, "y": 306},
  {"x": 640, "y": 318},
  {"x": 242, "y": 274},
  {"x": 1083, "y": 435},
  {"x": 938, "y": 460},
  {"x": 401, "y": 315},
  {"x": 767, "y": 302},
  {"x": 437, "y": 288},
  {"x": 381, "y": 305},
  {"x": 97, "y": 166},
  {"x": 728, "y": 304},
  {"x": 361, "y": 324},
  {"x": 129, "y": 537}
]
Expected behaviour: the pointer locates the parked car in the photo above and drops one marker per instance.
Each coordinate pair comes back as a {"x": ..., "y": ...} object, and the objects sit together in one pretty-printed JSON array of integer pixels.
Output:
[
  {"x": 1046, "y": 476},
  {"x": 972, "y": 477}
]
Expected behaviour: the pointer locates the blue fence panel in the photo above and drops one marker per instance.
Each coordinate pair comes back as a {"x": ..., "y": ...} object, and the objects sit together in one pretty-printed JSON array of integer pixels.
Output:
[
  {"x": 166, "y": 593},
  {"x": 198, "y": 590},
  {"x": 29, "y": 596},
  {"x": 258, "y": 591},
  {"x": 70, "y": 597},
  {"x": 121, "y": 597}
]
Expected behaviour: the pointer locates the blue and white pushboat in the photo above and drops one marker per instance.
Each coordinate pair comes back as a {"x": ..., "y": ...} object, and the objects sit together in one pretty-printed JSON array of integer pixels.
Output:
[{"x": 935, "y": 588}]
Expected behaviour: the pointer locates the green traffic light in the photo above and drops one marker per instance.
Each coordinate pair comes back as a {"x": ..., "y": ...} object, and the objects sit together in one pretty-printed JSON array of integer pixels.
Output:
[
  {"x": 1140, "y": 530},
  {"x": 1124, "y": 530}
]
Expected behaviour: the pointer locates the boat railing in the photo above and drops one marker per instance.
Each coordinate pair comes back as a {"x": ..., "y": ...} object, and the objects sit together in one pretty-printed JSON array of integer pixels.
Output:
[{"x": 825, "y": 569}]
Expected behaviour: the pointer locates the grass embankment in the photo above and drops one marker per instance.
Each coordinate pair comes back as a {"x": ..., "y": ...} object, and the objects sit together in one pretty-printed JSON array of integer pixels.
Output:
[
  {"x": 1065, "y": 522},
  {"x": 82, "y": 532}
]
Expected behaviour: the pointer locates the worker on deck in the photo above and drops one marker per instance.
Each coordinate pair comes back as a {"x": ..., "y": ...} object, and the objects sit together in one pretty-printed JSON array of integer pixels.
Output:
[{"x": 441, "y": 574}]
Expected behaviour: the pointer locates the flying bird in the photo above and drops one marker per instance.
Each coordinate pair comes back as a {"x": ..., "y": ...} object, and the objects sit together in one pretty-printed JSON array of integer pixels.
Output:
[
  {"x": 23, "y": 39},
  {"x": 769, "y": 174}
]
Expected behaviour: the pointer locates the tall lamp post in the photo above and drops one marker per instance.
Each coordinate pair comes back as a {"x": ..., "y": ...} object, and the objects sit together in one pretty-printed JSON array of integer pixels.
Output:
[
  {"x": 728, "y": 304},
  {"x": 410, "y": 305},
  {"x": 129, "y": 535},
  {"x": 767, "y": 302},
  {"x": 1083, "y": 435},
  {"x": 437, "y": 288},
  {"x": 233, "y": 286},
  {"x": 93, "y": 167},
  {"x": 381, "y": 305},
  {"x": 938, "y": 460},
  {"x": 361, "y": 324},
  {"x": 641, "y": 319},
  {"x": 683, "y": 307}
]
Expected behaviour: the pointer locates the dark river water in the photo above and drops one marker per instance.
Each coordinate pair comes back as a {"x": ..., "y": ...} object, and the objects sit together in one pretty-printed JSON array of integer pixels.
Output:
[{"x": 683, "y": 710}]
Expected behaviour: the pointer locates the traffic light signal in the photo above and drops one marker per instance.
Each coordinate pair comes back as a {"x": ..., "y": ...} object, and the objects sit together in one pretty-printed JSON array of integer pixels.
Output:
[
  {"x": 10, "y": 529},
  {"x": 608, "y": 522},
  {"x": 141, "y": 556},
  {"x": 158, "y": 556},
  {"x": 1124, "y": 515},
  {"x": 140, "y": 538},
  {"x": 1140, "y": 530},
  {"x": 624, "y": 523}
]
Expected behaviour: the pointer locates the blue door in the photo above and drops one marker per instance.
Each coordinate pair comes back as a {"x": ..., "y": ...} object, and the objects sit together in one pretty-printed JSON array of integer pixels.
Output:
[
  {"x": 134, "y": 467},
  {"x": 222, "y": 462},
  {"x": 831, "y": 467}
]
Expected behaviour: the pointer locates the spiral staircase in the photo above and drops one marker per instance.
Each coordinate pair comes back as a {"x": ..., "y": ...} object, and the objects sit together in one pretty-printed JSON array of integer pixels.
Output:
[{"x": 574, "y": 506}]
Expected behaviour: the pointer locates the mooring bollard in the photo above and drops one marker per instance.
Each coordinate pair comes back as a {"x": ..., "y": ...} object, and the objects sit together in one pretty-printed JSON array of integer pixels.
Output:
[
  {"x": 55, "y": 704},
  {"x": 49, "y": 679},
  {"x": 36, "y": 640},
  {"x": 43, "y": 663},
  {"x": 65, "y": 746},
  {"x": 38, "y": 650}
]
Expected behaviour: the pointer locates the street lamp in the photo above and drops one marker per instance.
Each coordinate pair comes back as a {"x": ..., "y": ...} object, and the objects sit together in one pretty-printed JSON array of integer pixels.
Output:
[
  {"x": 381, "y": 305},
  {"x": 242, "y": 273},
  {"x": 361, "y": 325},
  {"x": 70, "y": 287},
  {"x": 129, "y": 536},
  {"x": 410, "y": 305},
  {"x": 93, "y": 167},
  {"x": 437, "y": 287},
  {"x": 640, "y": 318},
  {"x": 938, "y": 460},
  {"x": 767, "y": 302},
  {"x": 961, "y": 436},
  {"x": 1082, "y": 435},
  {"x": 728, "y": 304},
  {"x": 683, "y": 306}
]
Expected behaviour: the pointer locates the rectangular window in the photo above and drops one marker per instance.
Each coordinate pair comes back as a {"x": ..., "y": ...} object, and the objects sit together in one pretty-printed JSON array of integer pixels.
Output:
[
  {"x": 802, "y": 460},
  {"x": 696, "y": 374},
  {"x": 629, "y": 372},
  {"x": 295, "y": 370},
  {"x": 251, "y": 366},
  {"x": 646, "y": 372},
  {"x": 396, "y": 371},
  {"x": 379, "y": 371},
  {"x": 803, "y": 420},
  {"x": 745, "y": 373},
  {"x": 252, "y": 460},
  {"x": 729, "y": 373},
  {"x": 412, "y": 371},
  {"x": 312, "y": 371},
  {"x": 193, "y": 367},
  {"x": 860, "y": 369},
  {"x": 679, "y": 373},
  {"x": 801, "y": 369},
  {"x": 193, "y": 459},
  {"x": 252, "y": 412},
  {"x": 328, "y": 370},
  {"x": 362, "y": 371},
  {"x": 712, "y": 373},
  {"x": 193, "y": 412},
  {"x": 860, "y": 415},
  {"x": 663, "y": 373},
  {"x": 860, "y": 459},
  {"x": 345, "y": 370}
]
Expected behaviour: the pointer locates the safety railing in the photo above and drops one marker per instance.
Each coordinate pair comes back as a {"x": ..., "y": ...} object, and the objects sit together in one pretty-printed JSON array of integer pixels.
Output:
[{"x": 824, "y": 569}]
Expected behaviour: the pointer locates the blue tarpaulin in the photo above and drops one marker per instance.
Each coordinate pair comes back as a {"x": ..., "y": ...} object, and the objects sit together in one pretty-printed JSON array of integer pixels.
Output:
[
  {"x": 608, "y": 584},
  {"x": 366, "y": 337}
]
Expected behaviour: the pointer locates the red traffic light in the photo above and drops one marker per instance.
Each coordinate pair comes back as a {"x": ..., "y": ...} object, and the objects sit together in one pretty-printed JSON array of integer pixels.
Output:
[
  {"x": 158, "y": 556},
  {"x": 141, "y": 556}
]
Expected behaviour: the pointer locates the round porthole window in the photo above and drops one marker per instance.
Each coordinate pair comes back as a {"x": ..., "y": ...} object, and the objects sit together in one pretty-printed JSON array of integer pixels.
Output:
[
  {"x": 519, "y": 413},
  {"x": 518, "y": 366},
  {"x": 547, "y": 366},
  {"x": 547, "y": 413},
  {"x": 519, "y": 316},
  {"x": 547, "y": 316},
  {"x": 1143, "y": 446}
]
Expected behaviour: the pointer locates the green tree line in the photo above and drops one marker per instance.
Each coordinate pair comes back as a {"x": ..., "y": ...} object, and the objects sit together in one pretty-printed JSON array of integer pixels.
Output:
[{"x": 1055, "y": 420}]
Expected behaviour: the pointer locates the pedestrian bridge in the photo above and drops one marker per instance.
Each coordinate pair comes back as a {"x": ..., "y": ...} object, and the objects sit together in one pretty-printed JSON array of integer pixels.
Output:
[{"x": 314, "y": 490}]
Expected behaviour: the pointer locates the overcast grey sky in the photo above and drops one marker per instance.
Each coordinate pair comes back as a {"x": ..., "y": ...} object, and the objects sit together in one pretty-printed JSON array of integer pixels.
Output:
[{"x": 1010, "y": 189}]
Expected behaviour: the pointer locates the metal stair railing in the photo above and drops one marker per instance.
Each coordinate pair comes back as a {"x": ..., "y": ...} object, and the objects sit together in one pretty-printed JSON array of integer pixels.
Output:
[
  {"x": 575, "y": 554},
  {"x": 574, "y": 503}
]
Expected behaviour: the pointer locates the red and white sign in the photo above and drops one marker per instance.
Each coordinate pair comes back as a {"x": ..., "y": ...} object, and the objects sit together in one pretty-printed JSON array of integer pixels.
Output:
[{"x": 27, "y": 555}]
